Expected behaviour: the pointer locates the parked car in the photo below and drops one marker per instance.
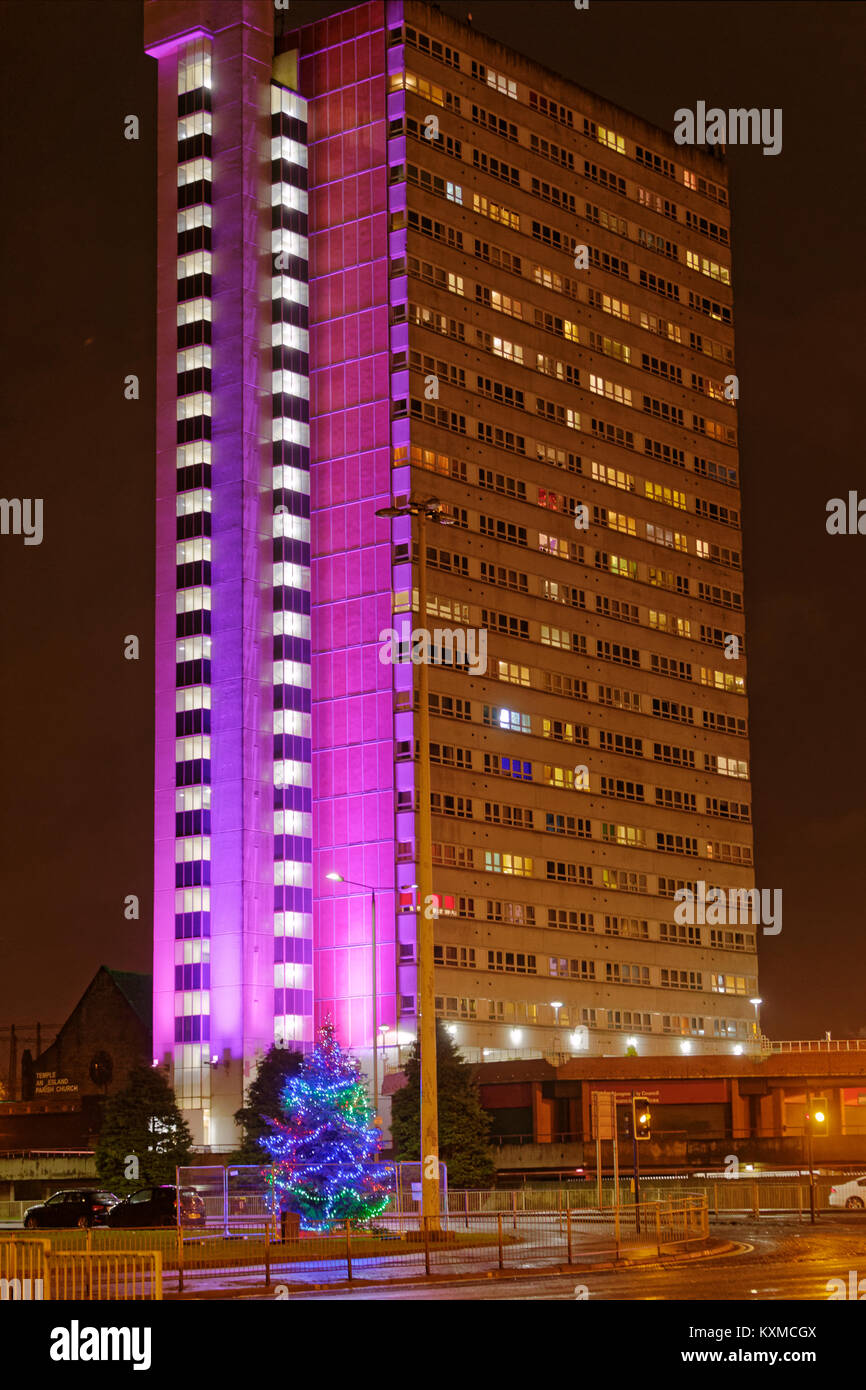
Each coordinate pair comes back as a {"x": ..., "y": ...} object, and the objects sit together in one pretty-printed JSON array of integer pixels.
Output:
[
  {"x": 849, "y": 1194},
  {"x": 82, "y": 1206},
  {"x": 157, "y": 1206}
]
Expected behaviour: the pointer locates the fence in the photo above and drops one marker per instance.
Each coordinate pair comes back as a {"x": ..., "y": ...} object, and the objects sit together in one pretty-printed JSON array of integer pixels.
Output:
[
  {"x": 22, "y": 1268},
  {"x": 458, "y": 1242},
  {"x": 743, "y": 1194},
  {"x": 127, "y": 1264},
  {"x": 238, "y": 1199},
  {"x": 525, "y": 1199},
  {"x": 735, "y": 1196},
  {"x": 104, "y": 1274},
  {"x": 34, "y": 1268},
  {"x": 477, "y": 1232}
]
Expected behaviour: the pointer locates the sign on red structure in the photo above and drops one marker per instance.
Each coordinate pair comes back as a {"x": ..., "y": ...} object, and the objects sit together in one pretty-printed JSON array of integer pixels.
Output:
[{"x": 696, "y": 1092}]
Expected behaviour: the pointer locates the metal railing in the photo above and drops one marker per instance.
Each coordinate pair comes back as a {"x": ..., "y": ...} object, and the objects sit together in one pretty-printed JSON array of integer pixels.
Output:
[
  {"x": 552, "y": 1198},
  {"x": 46, "y": 1153},
  {"x": 103, "y": 1274},
  {"x": 22, "y": 1268},
  {"x": 462, "y": 1243},
  {"x": 814, "y": 1045},
  {"x": 37, "y": 1268},
  {"x": 557, "y": 1057},
  {"x": 492, "y": 1231},
  {"x": 500, "y": 1141}
]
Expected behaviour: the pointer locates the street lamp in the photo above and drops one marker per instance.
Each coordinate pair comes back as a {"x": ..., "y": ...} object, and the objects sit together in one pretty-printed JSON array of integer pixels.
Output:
[
  {"x": 757, "y": 1007},
  {"x": 339, "y": 878},
  {"x": 556, "y": 1004},
  {"x": 424, "y": 510}
]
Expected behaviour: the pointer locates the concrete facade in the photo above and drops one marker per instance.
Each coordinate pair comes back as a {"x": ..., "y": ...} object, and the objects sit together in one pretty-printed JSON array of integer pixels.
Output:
[
  {"x": 554, "y": 388},
  {"x": 703, "y": 1109}
]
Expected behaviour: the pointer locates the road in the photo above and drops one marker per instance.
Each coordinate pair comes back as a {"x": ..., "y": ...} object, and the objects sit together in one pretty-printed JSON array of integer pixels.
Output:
[{"x": 775, "y": 1261}]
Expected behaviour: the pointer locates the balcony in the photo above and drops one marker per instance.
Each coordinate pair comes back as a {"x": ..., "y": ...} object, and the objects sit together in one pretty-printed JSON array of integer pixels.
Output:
[{"x": 770, "y": 1046}]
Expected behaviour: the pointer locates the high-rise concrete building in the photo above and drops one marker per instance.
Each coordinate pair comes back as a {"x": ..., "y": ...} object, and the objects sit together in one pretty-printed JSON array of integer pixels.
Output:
[{"x": 397, "y": 262}]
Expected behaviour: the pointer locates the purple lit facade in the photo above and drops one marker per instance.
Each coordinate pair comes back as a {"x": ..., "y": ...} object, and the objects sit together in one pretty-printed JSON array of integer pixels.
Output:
[
  {"x": 353, "y": 767},
  {"x": 252, "y": 674}
]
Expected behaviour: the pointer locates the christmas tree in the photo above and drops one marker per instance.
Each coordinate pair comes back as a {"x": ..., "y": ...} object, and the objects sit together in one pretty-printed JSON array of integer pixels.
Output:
[{"x": 324, "y": 1147}]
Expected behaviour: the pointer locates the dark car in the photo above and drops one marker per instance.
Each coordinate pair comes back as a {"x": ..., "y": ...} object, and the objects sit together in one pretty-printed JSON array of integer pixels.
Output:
[
  {"x": 83, "y": 1206},
  {"x": 157, "y": 1206}
]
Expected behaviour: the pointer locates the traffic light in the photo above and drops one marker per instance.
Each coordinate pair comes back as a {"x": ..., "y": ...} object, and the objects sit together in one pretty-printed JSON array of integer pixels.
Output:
[
  {"x": 640, "y": 1117},
  {"x": 818, "y": 1117}
]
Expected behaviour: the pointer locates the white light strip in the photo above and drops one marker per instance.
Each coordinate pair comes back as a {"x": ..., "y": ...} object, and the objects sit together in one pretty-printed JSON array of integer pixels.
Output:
[
  {"x": 288, "y": 624},
  {"x": 293, "y": 432},
  {"x": 293, "y": 823},
  {"x": 291, "y": 576},
  {"x": 293, "y": 480},
  {"x": 290, "y": 384},
  {"x": 289, "y": 196},
  {"x": 285, "y": 287},
  {"x": 289, "y": 103},
  {"x": 290, "y": 243},
  {"x": 289, "y": 150},
  {"x": 296, "y": 528},
  {"x": 292, "y": 673},
  {"x": 289, "y": 335}
]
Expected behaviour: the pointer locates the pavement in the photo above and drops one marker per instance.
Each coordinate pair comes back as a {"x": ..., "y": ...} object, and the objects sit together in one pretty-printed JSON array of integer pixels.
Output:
[
  {"x": 757, "y": 1262},
  {"x": 370, "y": 1274}
]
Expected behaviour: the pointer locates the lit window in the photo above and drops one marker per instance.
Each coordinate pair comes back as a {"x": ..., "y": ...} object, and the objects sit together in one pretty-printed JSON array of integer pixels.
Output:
[
  {"x": 197, "y": 404},
  {"x": 192, "y": 310},
  {"x": 194, "y": 171},
  {"x": 201, "y": 123},
  {"x": 194, "y": 359},
  {"x": 196, "y": 263},
  {"x": 284, "y": 148}
]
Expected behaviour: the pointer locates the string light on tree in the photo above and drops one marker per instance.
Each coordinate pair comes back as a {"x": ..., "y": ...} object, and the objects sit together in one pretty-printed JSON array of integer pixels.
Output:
[{"x": 324, "y": 1146}]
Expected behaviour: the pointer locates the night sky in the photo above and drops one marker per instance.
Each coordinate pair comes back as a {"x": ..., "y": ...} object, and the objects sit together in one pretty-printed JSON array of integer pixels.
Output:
[{"x": 78, "y": 258}]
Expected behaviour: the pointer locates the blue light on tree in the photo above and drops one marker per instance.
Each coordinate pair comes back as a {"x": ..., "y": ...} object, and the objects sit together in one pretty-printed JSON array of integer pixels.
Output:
[{"x": 324, "y": 1146}]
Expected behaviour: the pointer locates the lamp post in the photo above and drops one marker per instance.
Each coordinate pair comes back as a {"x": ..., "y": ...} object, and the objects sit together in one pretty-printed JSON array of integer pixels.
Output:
[
  {"x": 756, "y": 1004},
  {"x": 556, "y": 1004},
  {"x": 425, "y": 510},
  {"x": 807, "y": 1128},
  {"x": 338, "y": 878}
]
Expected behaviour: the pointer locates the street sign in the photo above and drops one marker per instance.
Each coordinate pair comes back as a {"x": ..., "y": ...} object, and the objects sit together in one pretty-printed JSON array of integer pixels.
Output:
[{"x": 604, "y": 1114}]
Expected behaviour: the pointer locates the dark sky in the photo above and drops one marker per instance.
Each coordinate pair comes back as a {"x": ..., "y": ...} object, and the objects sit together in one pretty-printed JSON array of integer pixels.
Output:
[{"x": 78, "y": 260}]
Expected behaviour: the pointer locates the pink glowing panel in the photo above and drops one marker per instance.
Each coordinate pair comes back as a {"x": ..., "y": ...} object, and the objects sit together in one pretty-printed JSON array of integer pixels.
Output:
[{"x": 342, "y": 72}]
